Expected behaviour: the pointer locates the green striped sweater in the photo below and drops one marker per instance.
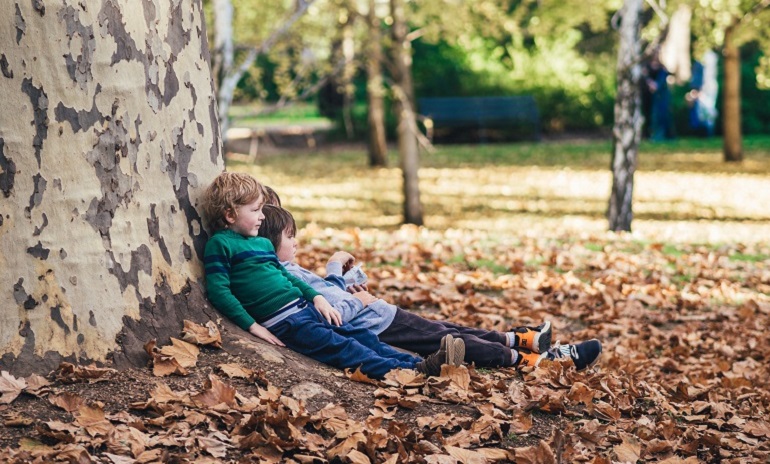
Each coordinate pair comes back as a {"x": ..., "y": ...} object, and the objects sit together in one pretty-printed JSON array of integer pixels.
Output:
[{"x": 244, "y": 279}]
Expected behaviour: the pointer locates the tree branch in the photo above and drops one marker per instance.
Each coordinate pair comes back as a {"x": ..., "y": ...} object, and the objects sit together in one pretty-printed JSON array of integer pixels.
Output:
[{"x": 268, "y": 43}]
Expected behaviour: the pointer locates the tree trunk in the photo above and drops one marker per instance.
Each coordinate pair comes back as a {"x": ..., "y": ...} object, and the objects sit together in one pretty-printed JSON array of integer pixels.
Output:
[
  {"x": 223, "y": 53},
  {"x": 378, "y": 149},
  {"x": 231, "y": 76},
  {"x": 627, "y": 130},
  {"x": 108, "y": 135},
  {"x": 731, "y": 106},
  {"x": 403, "y": 107}
]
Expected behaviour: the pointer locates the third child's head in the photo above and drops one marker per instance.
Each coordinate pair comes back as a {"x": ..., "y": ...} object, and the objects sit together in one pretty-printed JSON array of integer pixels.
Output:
[
  {"x": 279, "y": 227},
  {"x": 234, "y": 201}
]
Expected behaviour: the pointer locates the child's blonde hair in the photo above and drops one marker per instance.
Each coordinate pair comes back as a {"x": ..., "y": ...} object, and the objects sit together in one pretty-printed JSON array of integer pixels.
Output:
[{"x": 226, "y": 193}]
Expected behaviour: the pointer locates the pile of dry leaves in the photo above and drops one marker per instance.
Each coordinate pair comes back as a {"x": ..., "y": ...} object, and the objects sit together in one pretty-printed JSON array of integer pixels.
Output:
[{"x": 682, "y": 379}]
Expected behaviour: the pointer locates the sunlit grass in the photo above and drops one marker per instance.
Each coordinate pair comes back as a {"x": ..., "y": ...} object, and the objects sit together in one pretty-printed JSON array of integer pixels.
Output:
[
  {"x": 683, "y": 191},
  {"x": 249, "y": 115}
]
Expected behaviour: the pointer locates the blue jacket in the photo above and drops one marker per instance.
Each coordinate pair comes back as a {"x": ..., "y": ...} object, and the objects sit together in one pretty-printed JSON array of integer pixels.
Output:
[{"x": 376, "y": 317}]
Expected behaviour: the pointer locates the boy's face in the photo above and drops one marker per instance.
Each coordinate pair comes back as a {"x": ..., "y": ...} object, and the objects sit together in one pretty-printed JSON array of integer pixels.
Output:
[
  {"x": 247, "y": 218},
  {"x": 287, "y": 250}
]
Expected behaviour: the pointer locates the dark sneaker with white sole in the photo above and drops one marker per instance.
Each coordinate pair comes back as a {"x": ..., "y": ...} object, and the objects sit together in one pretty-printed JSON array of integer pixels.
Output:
[{"x": 584, "y": 354}]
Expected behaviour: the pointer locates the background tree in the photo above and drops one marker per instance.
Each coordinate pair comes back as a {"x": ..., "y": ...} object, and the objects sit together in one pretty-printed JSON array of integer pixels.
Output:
[
  {"x": 230, "y": 76},
  {"x": 375, "y": 91},
  {"x": 729, "y": 26},
  {"x": 627, "y": 131},
  {"x": 108, "y": 134},
  {"x": 403, "y": 107}
]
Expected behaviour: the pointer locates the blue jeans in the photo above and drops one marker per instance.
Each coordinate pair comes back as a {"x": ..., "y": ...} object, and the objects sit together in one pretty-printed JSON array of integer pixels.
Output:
[{"x": 344, "y": 347}]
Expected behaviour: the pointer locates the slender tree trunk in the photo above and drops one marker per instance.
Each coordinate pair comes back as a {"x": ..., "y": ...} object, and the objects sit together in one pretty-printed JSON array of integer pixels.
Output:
[
  {"x": 403, "y": 107},
  {"x": 107, "y": 136},
  {"x": 627, "y": 129},
  {"x": 231, "y": 76},
  {"x": 348, "y": 73},
  {"x": 731, "y": 106},
  {"x": 378, "y": 149},
  {"x": 223, "y": 53}
]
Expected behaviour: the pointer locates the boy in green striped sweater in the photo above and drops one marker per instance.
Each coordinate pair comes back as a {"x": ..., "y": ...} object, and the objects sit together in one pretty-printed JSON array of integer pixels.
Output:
[{"x": 246, "y": 283}]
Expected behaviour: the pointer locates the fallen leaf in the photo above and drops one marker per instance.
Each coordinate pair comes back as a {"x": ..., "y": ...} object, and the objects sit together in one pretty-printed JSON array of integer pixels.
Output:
[
  {"x": 214, "y": 447},
  {"x": 10, "y": 387},
  {"x": 202, "y": 335},
  {"x": 357, "y": 457},
  {"x": 162, "y": 393},
  {"x": 163, "y": 366},
  {"x": 359, "y": 376},
  {"x": 496, "y": 454},
  {"x": 629, "y": 450},
  {"x": 458, "y": 375},
  {"x": 118, "y": 459},
  {"x": 67, "y": 401},
  {"x": 185, "y": 353},
  {"x": 539, "y": 454},
  {"x": 37, "y": 385},
  {"x": 70, "y": 373},
  {"x": 758, "y": 428},
  {"x": 215, "y": 392},
  {"x": 406, "y": 378},
  {"x": 91, "y": 418},
  {"x": 466, "y": 456},
  {"x": 17, "y": 420},
  {"x": 236, "y": 371},
  {"x": 581, "y": 393},
  {"x": 440, "y": 459}
]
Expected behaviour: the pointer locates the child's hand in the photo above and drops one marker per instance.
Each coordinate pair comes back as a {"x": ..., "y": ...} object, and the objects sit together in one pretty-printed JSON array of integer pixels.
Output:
[
  {"x": 358, "y": 288},
  {"x": 331, "y": 315},
  {"x": 345, "y": 258},
  {"x": 365, "y": 297},
  {"x": 261, "y": 332}
]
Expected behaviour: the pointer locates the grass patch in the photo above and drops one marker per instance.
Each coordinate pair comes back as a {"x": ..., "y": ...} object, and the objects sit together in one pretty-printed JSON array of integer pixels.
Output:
[
  {"x": 490, "y": 265},
  {"x": 298, "y": 113},
  {"x": 741, "y": 257},
  {"x": 593, "y": 246},
  {"x": 671, "y": 250}
]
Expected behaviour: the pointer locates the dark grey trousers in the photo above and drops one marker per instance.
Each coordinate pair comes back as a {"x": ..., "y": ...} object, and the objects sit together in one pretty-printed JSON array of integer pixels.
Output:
[{"x": 486, "y": 348}]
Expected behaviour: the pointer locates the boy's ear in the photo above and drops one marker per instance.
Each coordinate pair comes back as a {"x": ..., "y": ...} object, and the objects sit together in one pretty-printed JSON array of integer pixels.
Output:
[{"x": 230, "y": 215}]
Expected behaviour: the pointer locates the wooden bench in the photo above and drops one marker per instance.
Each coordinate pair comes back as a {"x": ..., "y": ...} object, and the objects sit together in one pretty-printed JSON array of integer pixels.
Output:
[{"x": 481, "y": 118}]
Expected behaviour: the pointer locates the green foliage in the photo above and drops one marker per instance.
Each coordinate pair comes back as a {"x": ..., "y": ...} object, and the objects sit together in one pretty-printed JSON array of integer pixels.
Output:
[
  {"x": 755, "y": 101},
  {"x": 574, "y": 91}
]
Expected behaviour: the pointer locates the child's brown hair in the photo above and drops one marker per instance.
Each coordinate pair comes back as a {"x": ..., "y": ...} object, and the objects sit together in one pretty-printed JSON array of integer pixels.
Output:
[
  {"x": 276, "y": 221},
  {"x": 271, "y": 197},
  {"x": 227, "y": 192}
]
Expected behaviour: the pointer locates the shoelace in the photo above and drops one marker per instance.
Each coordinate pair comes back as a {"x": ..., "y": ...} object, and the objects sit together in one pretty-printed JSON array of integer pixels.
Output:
[{"x": 561, "y": 351}]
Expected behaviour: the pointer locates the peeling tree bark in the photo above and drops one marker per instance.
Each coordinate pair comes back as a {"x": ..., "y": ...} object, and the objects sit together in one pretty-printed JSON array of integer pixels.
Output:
[
  {"x": 627, "y": 130},
  {"x": 108, "y": 134}
]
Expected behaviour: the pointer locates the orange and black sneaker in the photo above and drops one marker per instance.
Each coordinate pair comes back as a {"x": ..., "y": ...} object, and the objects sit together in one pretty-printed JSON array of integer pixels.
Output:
[
  {"x": 526, "y": 358},
  {"x": 536, "y": 339}
]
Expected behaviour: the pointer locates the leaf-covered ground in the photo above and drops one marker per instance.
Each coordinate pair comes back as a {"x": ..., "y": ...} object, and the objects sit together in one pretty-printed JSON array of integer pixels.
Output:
[{"x": 683, "y": 377}]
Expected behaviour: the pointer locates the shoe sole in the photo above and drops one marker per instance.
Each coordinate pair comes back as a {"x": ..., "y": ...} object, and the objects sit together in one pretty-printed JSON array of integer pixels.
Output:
[
  {"x": 543, "y": 340},
  {"x": 448, "y": 343},
  {"x": 458, "y": 358}
]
